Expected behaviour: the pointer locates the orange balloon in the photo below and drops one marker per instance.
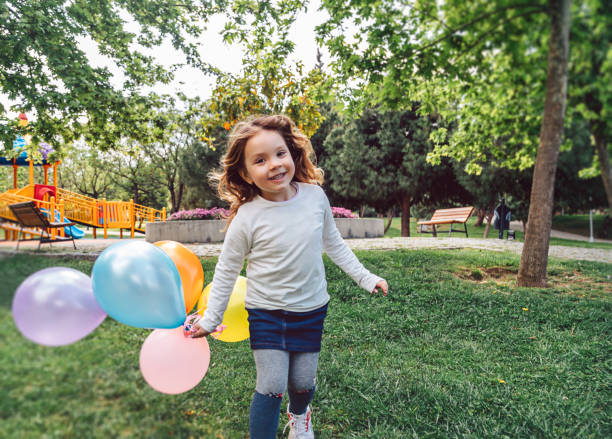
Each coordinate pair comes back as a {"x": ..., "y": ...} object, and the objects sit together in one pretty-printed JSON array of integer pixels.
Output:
[{"x": 189, "y": 268}]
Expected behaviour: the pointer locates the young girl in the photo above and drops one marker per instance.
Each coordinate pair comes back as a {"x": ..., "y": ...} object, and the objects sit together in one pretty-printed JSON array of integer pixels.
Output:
[{"x": 281, "y": 221}]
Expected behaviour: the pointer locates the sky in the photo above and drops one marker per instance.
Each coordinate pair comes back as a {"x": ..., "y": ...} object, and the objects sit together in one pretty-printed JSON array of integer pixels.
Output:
[{"x": 213, "y": 50}]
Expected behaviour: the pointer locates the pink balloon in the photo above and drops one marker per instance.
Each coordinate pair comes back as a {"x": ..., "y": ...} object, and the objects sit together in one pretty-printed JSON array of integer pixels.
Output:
[{"x": 172, "y": 363}]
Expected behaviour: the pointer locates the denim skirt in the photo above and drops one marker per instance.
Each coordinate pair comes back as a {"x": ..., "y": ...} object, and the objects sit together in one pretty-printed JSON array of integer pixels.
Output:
[{"x": 286, "y": 330}]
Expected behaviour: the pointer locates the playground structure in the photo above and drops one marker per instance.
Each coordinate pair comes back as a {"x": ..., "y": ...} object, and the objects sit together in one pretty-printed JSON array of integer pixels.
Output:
[{"x": 62, "y": 206}]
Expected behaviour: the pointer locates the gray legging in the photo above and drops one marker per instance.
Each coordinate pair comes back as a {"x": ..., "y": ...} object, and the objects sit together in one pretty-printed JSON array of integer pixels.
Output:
[{"x": 278, "y": 371}]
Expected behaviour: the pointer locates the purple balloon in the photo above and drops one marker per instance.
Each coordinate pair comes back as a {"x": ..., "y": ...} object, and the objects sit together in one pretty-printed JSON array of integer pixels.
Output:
[{"x": 56, "y": 306}]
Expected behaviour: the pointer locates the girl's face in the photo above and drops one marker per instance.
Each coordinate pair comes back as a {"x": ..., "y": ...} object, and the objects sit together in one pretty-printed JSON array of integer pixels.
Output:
[{"x": 269, "y": 165}]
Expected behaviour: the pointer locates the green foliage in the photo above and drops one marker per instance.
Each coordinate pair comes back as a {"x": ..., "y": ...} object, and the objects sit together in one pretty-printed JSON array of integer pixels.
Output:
[
  {"x": 379, "y": 159},
  {"x": 46, "y": 72},
  {"x": 267, "y": 86},
  {"x": 478, "y": 63},
  {"x": 267, "y": 83},
  {"x": 579, "y": 225},
  {"x": 440, "y": 356},
  {"x": 197, "y": 160},
  {"x": 88, "y": 171}
]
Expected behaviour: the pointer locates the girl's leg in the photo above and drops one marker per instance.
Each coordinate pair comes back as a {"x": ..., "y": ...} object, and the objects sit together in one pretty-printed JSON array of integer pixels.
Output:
[
  {"x": 272, "y": 371},
  {"x": 302, "y": 373}
]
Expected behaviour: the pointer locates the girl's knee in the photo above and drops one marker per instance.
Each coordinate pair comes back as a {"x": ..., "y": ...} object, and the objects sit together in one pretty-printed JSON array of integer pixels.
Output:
[
  {"x": 271, "y": 386},
  {"x": 301, "y": 386}
]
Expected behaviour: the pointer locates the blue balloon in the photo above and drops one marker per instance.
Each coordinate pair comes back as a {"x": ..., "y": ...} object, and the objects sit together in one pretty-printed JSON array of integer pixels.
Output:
[{"x": 137, "y": 284}]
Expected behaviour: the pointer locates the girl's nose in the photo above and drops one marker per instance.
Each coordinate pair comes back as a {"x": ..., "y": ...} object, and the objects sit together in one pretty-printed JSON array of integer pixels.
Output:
[{"x": 274, "y": 163}]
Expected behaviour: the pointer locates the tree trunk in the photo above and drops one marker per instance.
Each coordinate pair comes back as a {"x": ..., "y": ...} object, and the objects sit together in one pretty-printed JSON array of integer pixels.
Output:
[
  {"x": 389, "y": 220},
  {"x": 405, "y": 204},
  {"x": 489, "y": 217},
  {"x": 534, "y": 259},
  {"x": 481, "y": 214},
  {"x": 179, "y": 198},
  {"x": 362, "y": 211}
]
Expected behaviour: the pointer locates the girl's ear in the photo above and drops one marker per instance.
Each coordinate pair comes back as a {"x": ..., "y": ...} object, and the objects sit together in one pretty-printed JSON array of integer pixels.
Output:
[{"x": 245, "y": 176}]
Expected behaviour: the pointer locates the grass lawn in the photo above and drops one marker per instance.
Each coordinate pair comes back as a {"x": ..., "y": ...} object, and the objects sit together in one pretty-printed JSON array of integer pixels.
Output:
[
  {"x": 477, "y": 232},
  {"x": 579, "y": 224},
  {"x": 455, "y": 350}
]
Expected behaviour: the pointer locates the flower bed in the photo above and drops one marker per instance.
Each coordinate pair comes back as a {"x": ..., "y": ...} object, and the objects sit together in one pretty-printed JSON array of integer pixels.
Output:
[
  {"x": 200, "y": 225},
  {"x": 341, "y": 212},
  {"x": 216, "y": 213}
]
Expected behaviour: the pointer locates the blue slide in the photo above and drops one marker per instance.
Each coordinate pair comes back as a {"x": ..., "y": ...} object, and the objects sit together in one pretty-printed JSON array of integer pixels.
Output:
[{"x": 73, "y": 231}]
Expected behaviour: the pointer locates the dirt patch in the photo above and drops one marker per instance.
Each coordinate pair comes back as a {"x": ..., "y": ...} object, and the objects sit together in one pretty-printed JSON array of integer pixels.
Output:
[
  {"x": 482, "y": 274},
  {"x": 570, "y": 282},
  {"x": 578, "y": 284}
]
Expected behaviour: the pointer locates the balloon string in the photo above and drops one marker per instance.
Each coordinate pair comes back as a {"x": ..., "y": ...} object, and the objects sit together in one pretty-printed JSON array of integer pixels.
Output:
[
  {"x": 203, "y": 306},
  {"x": 217, "y": 332},
  {"x": 192, "y": 319}
]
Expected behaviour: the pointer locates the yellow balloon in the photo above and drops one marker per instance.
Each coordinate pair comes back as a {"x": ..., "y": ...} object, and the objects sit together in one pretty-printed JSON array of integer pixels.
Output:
[{"x": 236, "y": 316}]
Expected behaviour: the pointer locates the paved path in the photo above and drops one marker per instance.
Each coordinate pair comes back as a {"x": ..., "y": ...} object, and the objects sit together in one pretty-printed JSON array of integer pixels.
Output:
[
  {"x": 517, "y": 225},
  {"x": 90, "y": 248}
]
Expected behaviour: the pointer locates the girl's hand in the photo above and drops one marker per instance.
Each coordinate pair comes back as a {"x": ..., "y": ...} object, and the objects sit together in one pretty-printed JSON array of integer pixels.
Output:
[
  {"x": 200, "y": 332},
  {"x": 382, "y": 284}
]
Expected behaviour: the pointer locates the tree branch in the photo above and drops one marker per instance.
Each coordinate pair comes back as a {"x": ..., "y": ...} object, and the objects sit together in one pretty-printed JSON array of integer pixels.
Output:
[
  {"x": 479, "y": 39},
  {"x": 536, "y": 8}
]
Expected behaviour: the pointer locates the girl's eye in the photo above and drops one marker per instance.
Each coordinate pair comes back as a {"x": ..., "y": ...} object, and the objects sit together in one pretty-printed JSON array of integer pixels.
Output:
[
  {"x": 282, "y": 153},
  {"x": 258, "y": 161}
]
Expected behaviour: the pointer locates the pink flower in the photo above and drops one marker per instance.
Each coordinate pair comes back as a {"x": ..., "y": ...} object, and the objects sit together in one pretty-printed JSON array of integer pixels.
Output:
[
  {"x": 341, "y": 212},
  {"x": 199, "y": 214}
]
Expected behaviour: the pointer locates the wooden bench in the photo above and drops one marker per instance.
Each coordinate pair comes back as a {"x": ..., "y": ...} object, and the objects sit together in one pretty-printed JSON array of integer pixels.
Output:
[
  {"x": 29, "y": 216},
  {"x": 458, "y": 215}
]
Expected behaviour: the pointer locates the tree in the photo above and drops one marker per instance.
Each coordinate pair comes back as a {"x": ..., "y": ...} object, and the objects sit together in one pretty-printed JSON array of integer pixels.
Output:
[
  {"x": 137, "y": 176},
  {"x": 197, "y": 160},
  {"x": 575, "y": 191},
  {"x": 475, "y": 62},
  {"x": 85, "y": 170},
  {"x": 589, "y": 87},
  {"x": 534, "y": 258},
  {"x": 172, "y": 132},
  {"x": 380, "y": 159},
  {"x": 267, "y": 83},
  {"x": 266, "y": 86},
  {"x": 45, "y": 71}
]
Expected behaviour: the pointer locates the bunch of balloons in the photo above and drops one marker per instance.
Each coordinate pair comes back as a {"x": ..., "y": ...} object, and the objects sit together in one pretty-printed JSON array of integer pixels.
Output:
[{"x": 138, "y": 284}]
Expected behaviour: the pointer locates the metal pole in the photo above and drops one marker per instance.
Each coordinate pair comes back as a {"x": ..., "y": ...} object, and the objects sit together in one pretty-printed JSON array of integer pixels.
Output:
[
  {"x": 591, "y": 226},
  {"x": 502, "y": 218}
]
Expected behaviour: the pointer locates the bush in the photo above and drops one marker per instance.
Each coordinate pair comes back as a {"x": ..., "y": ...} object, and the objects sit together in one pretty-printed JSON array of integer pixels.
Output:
[
  {"x": 341, "y": 212},
  {"x": 199, "y": 214}
]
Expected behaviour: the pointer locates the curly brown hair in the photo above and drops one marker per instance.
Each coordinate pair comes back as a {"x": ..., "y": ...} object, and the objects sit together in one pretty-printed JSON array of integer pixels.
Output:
[{"x": 230, "y": 185}]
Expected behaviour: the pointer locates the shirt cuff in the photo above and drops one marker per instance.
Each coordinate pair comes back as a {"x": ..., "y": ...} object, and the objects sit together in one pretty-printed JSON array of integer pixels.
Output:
[{"x": 369, "y": 282}]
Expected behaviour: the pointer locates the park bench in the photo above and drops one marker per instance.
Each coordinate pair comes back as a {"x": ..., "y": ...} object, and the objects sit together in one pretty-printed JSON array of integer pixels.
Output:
[
  {"x": 29, "y": 216},
  {"x": 458, "y": 215}
]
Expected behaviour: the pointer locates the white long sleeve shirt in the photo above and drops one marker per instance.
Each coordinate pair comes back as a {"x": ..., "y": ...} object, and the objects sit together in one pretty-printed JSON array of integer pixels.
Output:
[{"x": 283, "y": 243}]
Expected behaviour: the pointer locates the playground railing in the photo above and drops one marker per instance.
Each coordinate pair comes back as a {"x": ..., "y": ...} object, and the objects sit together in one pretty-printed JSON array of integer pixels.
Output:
[
  {"x": 51, "y": 207},
  {"x": 8, "y": 199},
  {"x": 80, "y": 208},
  {"x": 108, "y": 214},
  {"x": 144, "y": 214}
]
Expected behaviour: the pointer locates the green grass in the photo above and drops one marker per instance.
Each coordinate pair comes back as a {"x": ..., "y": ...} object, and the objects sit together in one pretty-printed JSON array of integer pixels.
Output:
[
  {"x": 584, "y": 244},
  {"x": 455, "y": 350},
  {"x": 579, "y": 224},
  {"x": 478, "y": 232}
]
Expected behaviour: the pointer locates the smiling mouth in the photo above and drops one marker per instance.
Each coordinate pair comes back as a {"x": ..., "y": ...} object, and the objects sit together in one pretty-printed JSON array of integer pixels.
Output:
[{"x": 278, "y": 177}]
